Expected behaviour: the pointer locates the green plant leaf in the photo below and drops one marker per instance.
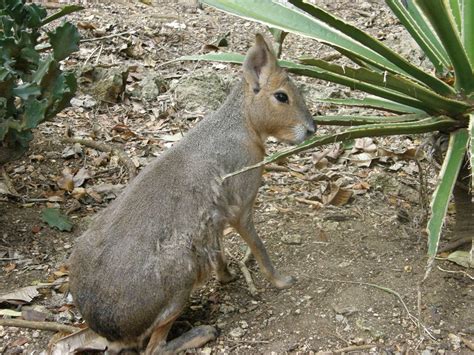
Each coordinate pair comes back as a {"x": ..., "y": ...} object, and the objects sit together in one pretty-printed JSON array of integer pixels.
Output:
[
  {"x": 375, "y": 45},
  {"x": 279, "y": 16},
  {"x": 64, "y": 40},
  {"x": 447, "y": 179},
  {"x": 456, "y": 11},
  {"x": 66, "y": 10},
  {"x": 374, "y": 130},
  {"x": 34, "y": 15},
  {"x": 355, "y": 120},
  {"x": 397, "y": 83},
  {"x": 374, "y": 102},
  {"x": 26, "y": 90},
  {"x": 442, "y": 21},
  {"x": 34, "y": 113},
  {"x": 410, "y": 17},
  {"x": 467, "y": 29},
  {"x": 325, "y": 75},
  {"x": 56, "y": 219}
]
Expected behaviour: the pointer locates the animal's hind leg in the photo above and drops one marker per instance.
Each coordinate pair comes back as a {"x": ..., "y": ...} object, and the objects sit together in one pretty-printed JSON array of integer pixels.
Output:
[
  {"x": 158, "y": 338},
  {"x": 194, "y": 338}
]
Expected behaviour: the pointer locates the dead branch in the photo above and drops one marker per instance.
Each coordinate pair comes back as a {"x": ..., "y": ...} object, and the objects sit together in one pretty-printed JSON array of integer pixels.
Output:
[
  {"x": 132, "y": 170},
  {"x": 48, "y": 326},
  {"x": 354, "y": 348}
]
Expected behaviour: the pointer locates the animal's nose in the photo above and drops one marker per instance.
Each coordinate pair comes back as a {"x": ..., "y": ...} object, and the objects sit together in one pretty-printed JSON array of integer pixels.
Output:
[{"x": 311, "y": 129}]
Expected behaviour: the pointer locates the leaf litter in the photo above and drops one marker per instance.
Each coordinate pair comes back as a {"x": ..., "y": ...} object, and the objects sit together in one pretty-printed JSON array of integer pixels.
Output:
[{"x": 330, "y": 212}]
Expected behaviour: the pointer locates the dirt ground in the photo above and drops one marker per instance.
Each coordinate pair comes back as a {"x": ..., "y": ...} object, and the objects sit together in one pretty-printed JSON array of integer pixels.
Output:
[{"x": 358, "y": 265}]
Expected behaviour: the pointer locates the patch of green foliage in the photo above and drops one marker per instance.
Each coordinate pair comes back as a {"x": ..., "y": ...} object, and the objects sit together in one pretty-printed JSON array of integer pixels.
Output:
[{"x": 33, "y": 88}]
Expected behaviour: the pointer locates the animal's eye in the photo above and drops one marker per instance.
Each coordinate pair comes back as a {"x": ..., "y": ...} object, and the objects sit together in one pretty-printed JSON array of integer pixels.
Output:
[{"x": 282, "y": 97}]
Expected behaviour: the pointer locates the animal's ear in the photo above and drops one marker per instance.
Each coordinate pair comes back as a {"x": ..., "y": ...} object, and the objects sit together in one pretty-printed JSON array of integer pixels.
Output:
[{"x": 259, "y": 63}]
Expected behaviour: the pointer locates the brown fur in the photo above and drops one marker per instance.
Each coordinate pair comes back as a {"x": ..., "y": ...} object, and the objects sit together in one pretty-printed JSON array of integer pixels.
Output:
[{"x": 133, "y": 270}]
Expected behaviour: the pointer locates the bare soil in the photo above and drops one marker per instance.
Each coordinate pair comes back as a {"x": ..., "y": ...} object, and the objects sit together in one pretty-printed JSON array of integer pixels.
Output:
[{"x": 359, "y": 265}]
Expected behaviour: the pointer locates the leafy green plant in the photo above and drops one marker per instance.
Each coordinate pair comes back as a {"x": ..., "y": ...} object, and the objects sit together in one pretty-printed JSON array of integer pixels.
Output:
[
  {"x": 33, "y": 88},
  {"x": 425, "y": 102}
]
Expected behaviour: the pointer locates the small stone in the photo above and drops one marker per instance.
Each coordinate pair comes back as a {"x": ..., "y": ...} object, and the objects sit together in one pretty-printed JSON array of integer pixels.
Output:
[
  {"x": 292, "y": 239},
  {"x": 237, "y": 333},
  {"x": 426, "y": 352},
  {"x": 35, "y": 334},
  {"x": 243, "y": 324},
  {"x": 339, "y": 317},
  {"x": 298, "y": 311}
]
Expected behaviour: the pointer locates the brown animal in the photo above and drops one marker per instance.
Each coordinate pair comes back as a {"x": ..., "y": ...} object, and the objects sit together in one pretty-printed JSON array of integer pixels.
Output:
[{"x": 134, "y": 269}]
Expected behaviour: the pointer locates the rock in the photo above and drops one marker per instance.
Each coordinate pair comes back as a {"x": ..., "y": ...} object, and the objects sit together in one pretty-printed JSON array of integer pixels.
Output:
[
  {"x": 149, "y": 87},
  {"x": 104, "y": 84},
  {"x": 203, "y": 91},
  {"x": 237, "y": 333},
  {"x": 292, "y": 239}
]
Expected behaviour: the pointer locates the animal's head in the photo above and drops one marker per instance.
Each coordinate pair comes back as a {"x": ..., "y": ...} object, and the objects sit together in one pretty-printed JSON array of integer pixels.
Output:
[{"x": 273, "y": 104}]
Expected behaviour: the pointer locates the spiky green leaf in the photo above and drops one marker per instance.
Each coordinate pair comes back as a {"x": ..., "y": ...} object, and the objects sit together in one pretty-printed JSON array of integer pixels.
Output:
[
  {"x": 63, "y": 12},
  {"x": 34, "y": 113},
  {"x": 373, "y": 130},
  {"x": 441, "y": 19},
  {"x": 325, "y": 75},
  {"x": 410, "y": 17},
  {"x": 467, "y": 28},
  {"x": 355, "y": 120},
  {"x": 374, "y": 102},
  {"x": 64, "y": 40},
  {"x": 397, "y": 83},
  {"x": 447, "y": 179},
  {"x": 375, "y": 45}
]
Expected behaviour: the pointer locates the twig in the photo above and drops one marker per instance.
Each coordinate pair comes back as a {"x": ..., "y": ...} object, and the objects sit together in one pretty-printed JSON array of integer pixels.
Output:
[
  {"x": 353, "y": 348},
  {"x": 48, "y": 326},
  {"x": 457, "y": 272},
  {"x": 107, "y": 37},
  {"x": 248, "y": 341},
  {"x": 132, "y": 170},
  {"x": 455, "y": 243},
  {"x": 248, "y": 278},
  {"x": 414, "y": 319},
  {"x": 315, "y": 204}
]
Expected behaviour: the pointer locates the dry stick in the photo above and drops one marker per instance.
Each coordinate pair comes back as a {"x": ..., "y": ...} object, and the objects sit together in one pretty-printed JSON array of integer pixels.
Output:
[
  {"x": 132, "y": 170},
  {"x": 455, "y": 243},
  {"x": 107, "y": 37},
  {"x": 49, "y": 326},
  {"x": 453, "y": 272},
  {"x": 414, "y": 320},
  {"x": 353, "y": 348},
  {"x": 245, "y": 271}
]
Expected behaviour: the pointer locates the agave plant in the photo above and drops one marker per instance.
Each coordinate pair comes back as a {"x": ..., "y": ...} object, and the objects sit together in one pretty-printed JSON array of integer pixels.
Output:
[{"x": 441, "y": 101}]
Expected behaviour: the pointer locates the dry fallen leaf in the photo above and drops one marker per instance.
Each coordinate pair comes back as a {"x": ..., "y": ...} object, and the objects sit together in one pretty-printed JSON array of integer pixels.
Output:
[
  {"x": 20, "y": 296},
  {"x": 66, "y": 182},
  {"x": 81, "y": 341},
  {"x": 365, "y": 144},
  {"x": 81, "y": 176},
  {"x": 338, "y": 196}
]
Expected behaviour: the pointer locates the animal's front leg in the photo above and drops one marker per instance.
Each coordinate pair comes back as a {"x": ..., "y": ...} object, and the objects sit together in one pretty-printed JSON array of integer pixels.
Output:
[{"x": 246, "y": 229}]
